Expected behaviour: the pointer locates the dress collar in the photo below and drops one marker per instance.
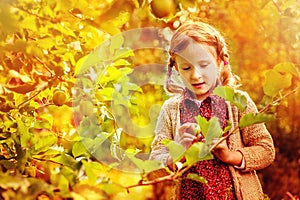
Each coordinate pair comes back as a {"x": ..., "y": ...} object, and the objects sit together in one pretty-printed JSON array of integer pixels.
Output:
[{"x": 189, "y": 96}]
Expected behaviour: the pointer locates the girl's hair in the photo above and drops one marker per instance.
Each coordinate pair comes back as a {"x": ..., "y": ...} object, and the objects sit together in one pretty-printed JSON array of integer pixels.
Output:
[{"x": 202, "y": 33}]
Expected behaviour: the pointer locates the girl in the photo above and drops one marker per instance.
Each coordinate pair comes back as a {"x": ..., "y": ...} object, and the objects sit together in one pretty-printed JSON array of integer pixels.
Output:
[{"x": 199, "y": 55}]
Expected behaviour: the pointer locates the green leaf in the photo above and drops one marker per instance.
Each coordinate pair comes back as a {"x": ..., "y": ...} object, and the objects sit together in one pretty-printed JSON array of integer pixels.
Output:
[
  {"x": 120, "y": 99},
  {"x": 92, "y": 169},
  {"x": 92, "y": 145},
  {"x": 176, "y": 149},
  {"x": 143, "y": 165},
  {"x": 229, "y": 94},
  {"x": 69, "y": 173},
  {"x": 196, "y": 177},
  {"x": 224, "y": 92},
  {"x": 228, "y": 127},
  {"x": 276, "y": 81},
  {"x": 121, "y": 62},
  {"x": 63, "y": 185},
  {"x": 197, "y": 152},
  {"x": 210, "y": 129},
  {"x": 116, "y": 42},
  {"x": 46, "y": 42},
  {"x": 19, "y": 98},
  {"x": 214, "y": 130},
  {"x": 24, "y": 133},
  {"x": 287, "y": 67},
  {"x": 203, "y": 123},
  {"x": 122, "y": 53},
  {"x": 47, "y": 117},
  {"x": 65, "y": 30},
  {"x": 42, "y": 143},
  {"x": 84, "y": 63},
  {"x": 255, "y": 118},
  {"x": 105, "y": 94},
  {"x": 66, "y": 159},
  {"x": 78, "y": 149},
  {"x": 111, "y": 188},
  {"x": 110, "y": 74},
  {"x": 50, "y": 153},
  {"x": 128, "y": 86},
  {"x": 43, "y": 124}
]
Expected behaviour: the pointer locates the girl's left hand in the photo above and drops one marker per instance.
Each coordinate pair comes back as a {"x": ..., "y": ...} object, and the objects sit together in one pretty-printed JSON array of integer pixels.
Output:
[{"x": 222, "y": 152}]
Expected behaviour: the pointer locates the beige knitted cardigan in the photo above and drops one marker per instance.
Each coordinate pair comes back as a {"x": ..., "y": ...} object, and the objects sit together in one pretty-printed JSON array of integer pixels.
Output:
[{"x": 255, "y": 143}]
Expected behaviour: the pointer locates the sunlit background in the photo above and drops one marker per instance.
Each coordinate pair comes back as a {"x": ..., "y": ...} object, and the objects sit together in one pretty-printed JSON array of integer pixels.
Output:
[{"x": 45, "y": 43}]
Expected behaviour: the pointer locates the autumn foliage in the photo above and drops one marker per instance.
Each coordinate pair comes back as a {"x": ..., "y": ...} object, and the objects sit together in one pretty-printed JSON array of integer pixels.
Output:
[{"x": 68, "y": 80}]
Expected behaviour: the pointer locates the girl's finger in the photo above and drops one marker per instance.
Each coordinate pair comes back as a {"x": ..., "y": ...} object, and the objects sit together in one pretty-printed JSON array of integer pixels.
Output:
[
  {"x": 188, "y": 127},
  {"x": 186, "y": 140}
]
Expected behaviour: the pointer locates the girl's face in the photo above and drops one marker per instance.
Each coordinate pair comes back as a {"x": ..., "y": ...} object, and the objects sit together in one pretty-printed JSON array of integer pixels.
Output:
[{"x": 197, "y": 66}]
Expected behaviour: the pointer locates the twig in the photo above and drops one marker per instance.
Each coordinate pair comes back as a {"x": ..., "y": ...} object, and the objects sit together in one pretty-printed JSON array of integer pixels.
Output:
[
  {"x": 292, "y": 197},
  {"x": 38, "y": 92},
  {"x": 44, "y": 65},
  {"x": 47, "y": 160},
  {"x": 264, "y": 109},
  {"x": 170, "y": 177}
]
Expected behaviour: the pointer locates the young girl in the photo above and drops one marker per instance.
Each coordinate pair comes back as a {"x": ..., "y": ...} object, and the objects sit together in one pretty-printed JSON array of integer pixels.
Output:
[{"x": 199, "y": 55}]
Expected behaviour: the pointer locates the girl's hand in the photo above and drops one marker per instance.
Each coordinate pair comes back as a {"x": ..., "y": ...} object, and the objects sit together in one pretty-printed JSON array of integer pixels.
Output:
[
  {"x": 187, "y": 134},
  {"x": 222, "y": 152}
]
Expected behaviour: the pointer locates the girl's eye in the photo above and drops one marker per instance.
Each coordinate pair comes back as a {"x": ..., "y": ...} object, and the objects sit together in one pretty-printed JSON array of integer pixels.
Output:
[
  {"x": 203, "y": 65},
  {"x": 187, "y": 67}
]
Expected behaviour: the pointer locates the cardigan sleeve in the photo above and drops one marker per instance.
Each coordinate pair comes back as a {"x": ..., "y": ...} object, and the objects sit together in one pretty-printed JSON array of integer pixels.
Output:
[
  {"x": 163, "y": 130},
  {"x": 259, "y": 151}
]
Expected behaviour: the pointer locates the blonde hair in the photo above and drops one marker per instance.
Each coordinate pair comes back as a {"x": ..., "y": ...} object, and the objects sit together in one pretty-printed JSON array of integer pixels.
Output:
[{"x": 202, "y": 33}]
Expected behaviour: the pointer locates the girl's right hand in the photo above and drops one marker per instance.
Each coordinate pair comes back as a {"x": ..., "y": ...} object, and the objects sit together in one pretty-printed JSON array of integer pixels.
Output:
[{"x": 187, "y": 134}]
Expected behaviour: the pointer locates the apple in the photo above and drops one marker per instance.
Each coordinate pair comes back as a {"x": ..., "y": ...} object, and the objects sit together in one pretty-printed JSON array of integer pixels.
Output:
[
  {"x": 162, "y": 8},
  {"x": 59, "y": 97}
]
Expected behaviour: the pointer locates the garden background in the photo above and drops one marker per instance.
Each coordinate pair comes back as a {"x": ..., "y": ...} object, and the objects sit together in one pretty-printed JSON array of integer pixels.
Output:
[{"x": 43, "y": 45}]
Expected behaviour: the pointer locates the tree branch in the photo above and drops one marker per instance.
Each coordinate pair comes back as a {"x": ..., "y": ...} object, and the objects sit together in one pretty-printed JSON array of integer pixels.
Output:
[
  {"x": 170, "y": 177},
  {"x": 267, "y": 107}
]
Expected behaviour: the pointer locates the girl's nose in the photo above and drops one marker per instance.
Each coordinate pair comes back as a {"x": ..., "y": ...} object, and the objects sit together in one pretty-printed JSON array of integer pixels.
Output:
[{"x": 196, "y": 73}]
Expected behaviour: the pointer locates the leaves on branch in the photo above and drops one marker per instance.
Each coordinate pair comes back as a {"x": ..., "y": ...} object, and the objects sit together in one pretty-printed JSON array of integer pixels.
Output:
[
  {"x": 279, "y": 78},
  {"x": 144, "y": 166},
  {"x": 229, "y": 94},
  {"x": 176, "y": 150},
  {"x": 255, "y": 118}
]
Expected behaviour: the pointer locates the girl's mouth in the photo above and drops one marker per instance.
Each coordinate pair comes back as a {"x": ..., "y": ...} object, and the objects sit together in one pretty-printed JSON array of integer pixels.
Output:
[{"x": 198, "y": 85}]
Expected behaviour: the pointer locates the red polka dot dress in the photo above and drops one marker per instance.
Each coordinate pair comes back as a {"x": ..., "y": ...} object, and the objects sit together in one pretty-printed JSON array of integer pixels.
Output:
[{"x": 219, "y": 182}]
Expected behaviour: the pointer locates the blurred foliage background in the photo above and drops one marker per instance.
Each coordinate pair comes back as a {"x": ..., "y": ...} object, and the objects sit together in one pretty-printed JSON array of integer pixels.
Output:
[{"x": 43, "y": 44}]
